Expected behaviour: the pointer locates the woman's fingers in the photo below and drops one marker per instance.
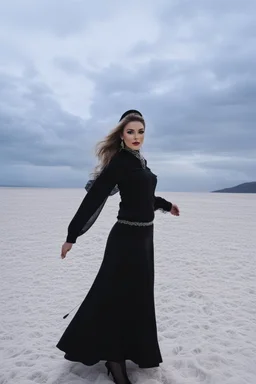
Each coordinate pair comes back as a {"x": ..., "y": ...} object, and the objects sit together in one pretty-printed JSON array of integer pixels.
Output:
[
  {"x": 65, "y": 248},
  {"x": 63, "y": 252},
  {"x": 175, "y": 210}
]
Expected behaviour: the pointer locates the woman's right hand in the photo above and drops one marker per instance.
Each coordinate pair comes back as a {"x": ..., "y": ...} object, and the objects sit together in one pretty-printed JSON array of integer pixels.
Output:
[{"x": 65, "y": 248}]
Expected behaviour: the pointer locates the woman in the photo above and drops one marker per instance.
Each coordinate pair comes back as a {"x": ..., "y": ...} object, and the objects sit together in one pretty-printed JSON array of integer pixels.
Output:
[{"x": 116, "y": 321}]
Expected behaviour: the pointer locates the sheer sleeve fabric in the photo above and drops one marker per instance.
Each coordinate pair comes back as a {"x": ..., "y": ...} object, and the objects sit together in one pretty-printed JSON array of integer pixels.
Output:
[{"x": 94, "y": 200}]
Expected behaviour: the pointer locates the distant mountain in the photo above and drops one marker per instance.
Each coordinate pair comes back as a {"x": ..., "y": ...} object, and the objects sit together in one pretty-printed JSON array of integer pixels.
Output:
[{"x": 241, "y": 188}]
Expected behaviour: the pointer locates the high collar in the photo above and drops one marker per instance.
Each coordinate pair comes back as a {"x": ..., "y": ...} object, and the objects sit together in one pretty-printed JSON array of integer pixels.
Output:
[
  {"x": 135, "y": 151},
  {"x": 137, "y": 154}
]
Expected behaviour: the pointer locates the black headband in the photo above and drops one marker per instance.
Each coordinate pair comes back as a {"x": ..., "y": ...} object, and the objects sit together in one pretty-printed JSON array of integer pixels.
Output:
[{"x": 129, "y": 112}]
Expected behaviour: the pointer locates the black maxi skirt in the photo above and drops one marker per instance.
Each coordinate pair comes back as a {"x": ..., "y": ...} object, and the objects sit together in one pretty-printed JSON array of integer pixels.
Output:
[{"x": 116, "y": 321}]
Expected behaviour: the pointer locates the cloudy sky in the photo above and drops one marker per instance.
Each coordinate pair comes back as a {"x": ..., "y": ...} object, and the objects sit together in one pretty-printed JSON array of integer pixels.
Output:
[{"x": 70, "y": 68}]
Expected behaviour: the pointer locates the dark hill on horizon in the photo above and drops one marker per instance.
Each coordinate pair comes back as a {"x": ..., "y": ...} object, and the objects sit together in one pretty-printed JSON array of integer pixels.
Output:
[{"x": 241, "y": 188}]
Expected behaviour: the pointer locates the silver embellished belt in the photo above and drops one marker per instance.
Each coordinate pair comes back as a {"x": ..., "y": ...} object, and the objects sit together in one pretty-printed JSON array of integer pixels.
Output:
[{"x": 136, "y": 223}]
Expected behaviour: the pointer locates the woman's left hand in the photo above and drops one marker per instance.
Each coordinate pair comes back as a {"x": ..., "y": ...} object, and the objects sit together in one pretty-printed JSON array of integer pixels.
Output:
[{"x": 175, "y": 210}]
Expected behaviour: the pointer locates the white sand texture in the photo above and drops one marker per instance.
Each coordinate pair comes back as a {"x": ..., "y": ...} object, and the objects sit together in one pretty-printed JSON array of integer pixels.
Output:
[{"x": 205, "y": 287}]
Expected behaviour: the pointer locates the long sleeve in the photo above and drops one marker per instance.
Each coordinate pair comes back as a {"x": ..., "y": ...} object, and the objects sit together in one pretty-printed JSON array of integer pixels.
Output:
[
  {"x": 162, "y": 204},
  {"x": 94, "y": 200}
]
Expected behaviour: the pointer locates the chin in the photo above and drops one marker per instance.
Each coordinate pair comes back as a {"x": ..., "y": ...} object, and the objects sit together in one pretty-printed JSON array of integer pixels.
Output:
[{"x": 135, "y": 146}]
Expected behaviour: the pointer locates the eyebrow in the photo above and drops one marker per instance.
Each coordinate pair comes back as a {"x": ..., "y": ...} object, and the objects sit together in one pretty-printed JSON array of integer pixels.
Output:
[{"x": 132, "y": 129}]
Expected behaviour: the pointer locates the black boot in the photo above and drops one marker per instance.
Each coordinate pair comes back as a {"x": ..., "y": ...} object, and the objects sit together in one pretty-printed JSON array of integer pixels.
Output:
[{"x": 118, "y": 371}]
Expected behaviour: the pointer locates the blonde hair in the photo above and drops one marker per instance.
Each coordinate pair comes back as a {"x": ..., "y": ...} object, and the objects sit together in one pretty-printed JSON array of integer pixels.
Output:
[{"x": 111, "y": 144}]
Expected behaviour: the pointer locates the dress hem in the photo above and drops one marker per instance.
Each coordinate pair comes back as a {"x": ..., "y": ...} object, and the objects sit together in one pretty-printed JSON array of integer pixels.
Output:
[{"x": 78, "y": 359}]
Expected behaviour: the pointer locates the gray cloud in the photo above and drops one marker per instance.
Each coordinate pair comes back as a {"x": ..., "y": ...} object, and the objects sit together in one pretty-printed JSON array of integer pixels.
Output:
[
  {"x": 69, "y": 66},
  {"x": 195, "y": 115},
  {"x": 36, "y": 135},
  {"x": 61, "y": 18},
  {"x": 194, "y": 80}
]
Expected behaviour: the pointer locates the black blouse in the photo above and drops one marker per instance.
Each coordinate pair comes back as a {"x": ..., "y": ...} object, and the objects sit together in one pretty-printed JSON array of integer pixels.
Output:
[{"x": 137, "y": 191}]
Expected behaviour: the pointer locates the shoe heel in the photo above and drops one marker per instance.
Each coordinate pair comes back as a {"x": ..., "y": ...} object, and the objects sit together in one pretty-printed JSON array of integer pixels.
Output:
[{"x": 107, "y": 366}]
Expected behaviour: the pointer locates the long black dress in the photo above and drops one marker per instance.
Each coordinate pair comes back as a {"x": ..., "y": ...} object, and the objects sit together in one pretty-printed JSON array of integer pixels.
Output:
[{"x": 116, "y": 321}]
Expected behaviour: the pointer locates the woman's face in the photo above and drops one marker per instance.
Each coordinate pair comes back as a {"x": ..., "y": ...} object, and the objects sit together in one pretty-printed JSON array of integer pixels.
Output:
[{"x": 133, "y": 135}]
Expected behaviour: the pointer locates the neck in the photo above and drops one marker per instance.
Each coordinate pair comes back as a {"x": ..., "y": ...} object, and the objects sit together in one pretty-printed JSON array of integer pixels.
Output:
[{"x": 131, "y": 149}]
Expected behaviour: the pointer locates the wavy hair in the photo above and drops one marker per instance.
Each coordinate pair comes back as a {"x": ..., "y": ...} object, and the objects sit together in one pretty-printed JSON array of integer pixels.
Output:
[{"x": 111, "y": 144}]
